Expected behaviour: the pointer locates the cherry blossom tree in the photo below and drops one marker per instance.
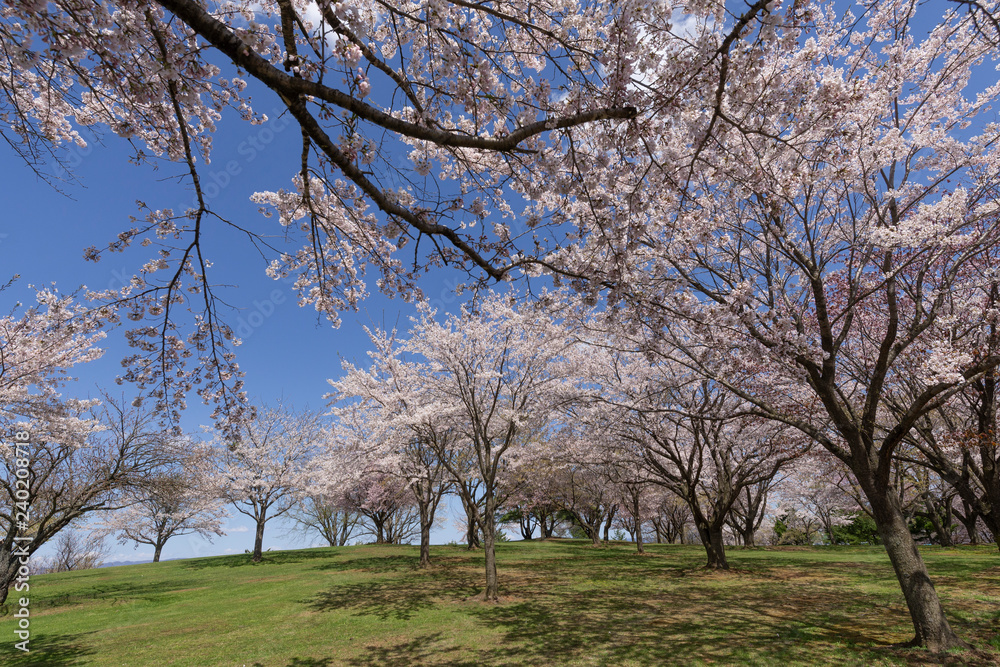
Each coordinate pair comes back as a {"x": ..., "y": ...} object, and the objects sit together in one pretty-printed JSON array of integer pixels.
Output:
[
  {"x": 958, "y": 442},
  {"x": 417, "y": 121},
  {"x": 319, "y": 513},
  {"x": 687, "y": 434},
  {"x": 748, "y": 512},
  {"x": 670, "y": 517},
  {"x": 39, "y": 347},
  {"x": 814, "y": 487},
  {"x": 805, "y": 229},
  {"x": 498, "y": 367},
  {"x": 636, "y": 504},
  {"x": 262, "y": 473},
  {"x": 176, "y": 499},
  {"x": 83, "y": 458},
  {"x": 386, "y": 505},
  {"x": 76, "y": 549},
  {"x": 488, "y": 379},
  {"x": 585, "y": 495},
  {"x": 408, "y": 435}
]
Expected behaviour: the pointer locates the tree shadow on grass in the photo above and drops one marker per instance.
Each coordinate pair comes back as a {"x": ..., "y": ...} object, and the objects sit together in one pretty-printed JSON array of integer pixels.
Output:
[
  {"x": 398, "y": 599},
  {"x": 677, "y": 628},
  {"x": 374, "y": 564},
  {"x": 268, "y": 558},
  {"x": 425, "y": 649},
  {"x": 154, "y": 592},
  {"x": 303, "y": 662},
  {"x": 51, "y": 651}
]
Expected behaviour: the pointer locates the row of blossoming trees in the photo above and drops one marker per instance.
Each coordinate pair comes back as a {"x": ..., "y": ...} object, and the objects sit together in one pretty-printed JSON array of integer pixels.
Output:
[
  {"x": 535, "y": 417},
  {"x": 796, "y": 204},
  {"x": 547, "y": 411}
]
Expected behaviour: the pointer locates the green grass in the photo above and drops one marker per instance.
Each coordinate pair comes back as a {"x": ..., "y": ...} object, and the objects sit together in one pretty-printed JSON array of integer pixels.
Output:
[{"x": 565, "y": 603}]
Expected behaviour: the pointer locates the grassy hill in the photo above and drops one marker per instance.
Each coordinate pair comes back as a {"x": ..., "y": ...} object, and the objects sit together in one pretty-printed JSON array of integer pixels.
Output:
[{"x": 566, "y": 603}]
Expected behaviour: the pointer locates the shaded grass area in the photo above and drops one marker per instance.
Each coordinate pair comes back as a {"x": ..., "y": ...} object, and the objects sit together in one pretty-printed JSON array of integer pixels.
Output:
[{"x": 563, "y": 603}]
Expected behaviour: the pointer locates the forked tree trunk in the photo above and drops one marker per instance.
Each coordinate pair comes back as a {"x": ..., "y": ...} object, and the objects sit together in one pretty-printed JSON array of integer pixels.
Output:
[
  {"x": 931, "y": 627},
  {"x": 548, "y": 524},
  {"x": 527, "y": 527},
  {"x": 715, "y": 548},
  {"x": 472, "y": 522},
  {"x": 607, "y": 523},
  {"x": 710, "y": 533}
]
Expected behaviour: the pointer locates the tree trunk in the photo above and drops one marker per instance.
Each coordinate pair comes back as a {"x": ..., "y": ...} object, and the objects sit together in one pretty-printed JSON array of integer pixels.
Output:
[
  {"x": 969, "y": 517},
  {"x": 472, "y": 535},
  {"x": 638, "y": 524},
  {"x": 7, "y": 573},
  {"x": 607, "y": 523},
  {"x": 472, "y": 523},
  {"x": 344, "y": 530},
  {"x": 258, "y": 542},
  {"x": 492, "y": 593},
  {"x": 547, "y": 523},
  {"x": 527, "y": 527},
  {"x": 931, "y": 628},
  {"x": 425, "y": 534},
  {"x": 992, "y": 521},
  {"x": 716, "y": 549},
  {"x": 942, "y": 533},
  {"x": 156, "y": 553}
]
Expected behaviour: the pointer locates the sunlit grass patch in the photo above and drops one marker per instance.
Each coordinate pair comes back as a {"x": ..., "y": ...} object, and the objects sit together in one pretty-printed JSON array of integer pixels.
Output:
[{"x": 562, "y": 603}]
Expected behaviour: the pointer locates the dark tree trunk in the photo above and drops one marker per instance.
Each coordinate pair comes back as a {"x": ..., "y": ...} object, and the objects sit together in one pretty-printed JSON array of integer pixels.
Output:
[
  {"x": 7, "y": 573},
  {"x": 345, "y": 530},
  {"x": 472, "y": 522},
  {"x": 607, "y": 522},
  {"x": 492, "y": 593},
  {"x": 472, "y": 535},
  {"x": 550, "y": 525},
  {"x": 258, "y": 542},
  {"x": 425, "y": 535},
  {"x": 638, "y": 524},
  {"x": 156, "y": 552},
  {"x": 931, "y": 627},
  {"x": 715, "y": 548},
  {"x": 992, "y": 521},
  {"x": 969, "y": 518},
  {"x": 527, "y": 526},
  {"x": 8, "y": 565}
]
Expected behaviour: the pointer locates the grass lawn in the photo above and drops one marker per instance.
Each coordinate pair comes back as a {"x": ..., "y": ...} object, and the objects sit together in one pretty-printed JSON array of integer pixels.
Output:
[{"x": 565, "y": 603}]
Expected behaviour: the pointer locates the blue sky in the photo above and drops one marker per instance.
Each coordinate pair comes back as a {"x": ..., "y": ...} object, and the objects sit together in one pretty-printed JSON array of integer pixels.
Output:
[{"x": 287, "y": 353}]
